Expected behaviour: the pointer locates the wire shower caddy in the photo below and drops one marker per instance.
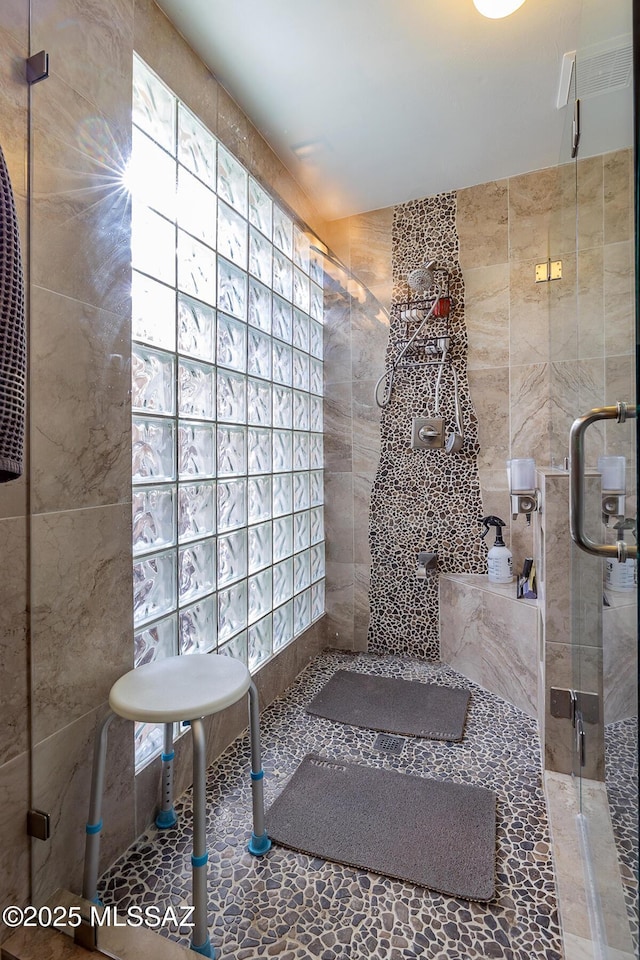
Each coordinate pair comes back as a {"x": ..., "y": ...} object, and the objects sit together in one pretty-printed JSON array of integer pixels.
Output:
[{"x": 432, "y": 347}]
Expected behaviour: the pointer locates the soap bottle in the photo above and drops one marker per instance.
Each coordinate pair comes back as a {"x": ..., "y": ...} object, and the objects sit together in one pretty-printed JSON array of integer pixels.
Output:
[
  {"x": 499, "y": 558},
  {"x": 621, "y": 576}
]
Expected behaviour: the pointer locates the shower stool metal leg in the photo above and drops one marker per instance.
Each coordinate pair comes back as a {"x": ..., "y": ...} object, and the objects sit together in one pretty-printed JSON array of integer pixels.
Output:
[
  {"x": 200, "y": 941},
  {"x": 167, "y": 816},
  {"x": 259, "y": 842},
  {"x": 94, "y": 824}
]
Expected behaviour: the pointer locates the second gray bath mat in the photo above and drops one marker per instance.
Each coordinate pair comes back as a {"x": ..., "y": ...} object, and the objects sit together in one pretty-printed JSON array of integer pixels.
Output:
[
  {"x": 436, "y": 834},
  {"x": 393, "y": 705}
]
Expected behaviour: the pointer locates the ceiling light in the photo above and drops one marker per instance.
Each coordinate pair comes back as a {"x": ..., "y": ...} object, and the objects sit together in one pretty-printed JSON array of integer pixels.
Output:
[{"x": 494, "y": 9}]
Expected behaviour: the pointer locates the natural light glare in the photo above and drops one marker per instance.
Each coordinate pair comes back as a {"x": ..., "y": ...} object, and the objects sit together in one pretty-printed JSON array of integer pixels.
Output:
[
  {"x": 127, "y": 178},
  {"x": 150, "y": 175}
]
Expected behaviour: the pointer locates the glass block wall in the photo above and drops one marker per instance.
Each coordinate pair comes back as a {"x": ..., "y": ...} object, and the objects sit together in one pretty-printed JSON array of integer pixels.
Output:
[{"x": 228, "y": 529}]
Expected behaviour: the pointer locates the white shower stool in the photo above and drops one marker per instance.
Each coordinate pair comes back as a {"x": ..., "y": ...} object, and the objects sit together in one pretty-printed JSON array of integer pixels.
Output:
[{"x": 183, "y": 688}]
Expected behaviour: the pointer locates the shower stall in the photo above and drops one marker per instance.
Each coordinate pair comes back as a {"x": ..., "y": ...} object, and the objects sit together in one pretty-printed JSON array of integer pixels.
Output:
[{"x": 70, "y": 529}]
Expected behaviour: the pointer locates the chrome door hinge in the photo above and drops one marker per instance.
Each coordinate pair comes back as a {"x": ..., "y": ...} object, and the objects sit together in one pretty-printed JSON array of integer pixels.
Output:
[
  {"x": 571, "y": 704},
  {"x": 38, "y": 67},
  {"x": 38, "y": 824},
  {"x": 563, "y": 704}
]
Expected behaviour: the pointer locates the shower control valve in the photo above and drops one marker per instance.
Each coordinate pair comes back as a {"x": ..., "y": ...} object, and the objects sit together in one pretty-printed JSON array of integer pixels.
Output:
[{"x": 427, "y": 433}]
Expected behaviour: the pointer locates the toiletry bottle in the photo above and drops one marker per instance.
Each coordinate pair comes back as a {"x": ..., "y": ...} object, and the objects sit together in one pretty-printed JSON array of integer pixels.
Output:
[
  {"x": 499, "y": 559},
  {"x": 621, "y": 576}
]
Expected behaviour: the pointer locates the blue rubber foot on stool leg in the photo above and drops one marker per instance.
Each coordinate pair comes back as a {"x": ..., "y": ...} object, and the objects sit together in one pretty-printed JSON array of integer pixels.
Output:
[
  {"x": 259, "y": 845},
  {"x": 206, "y": 950},
  {"x": 166, "y": 819}
]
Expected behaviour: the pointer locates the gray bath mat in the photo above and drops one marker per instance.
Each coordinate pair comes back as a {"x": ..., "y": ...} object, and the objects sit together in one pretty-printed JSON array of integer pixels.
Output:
[
  {"x": 393, "y": 705},
  {"x": 435, "y": 834}
]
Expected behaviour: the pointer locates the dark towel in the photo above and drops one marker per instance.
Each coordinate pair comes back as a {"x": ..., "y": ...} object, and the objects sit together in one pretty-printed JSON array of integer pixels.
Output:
[{"x": 13, "y": 340}]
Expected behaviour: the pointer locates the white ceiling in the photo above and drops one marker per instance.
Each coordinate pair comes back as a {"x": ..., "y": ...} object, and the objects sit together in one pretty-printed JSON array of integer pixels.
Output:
[{"x": 390, "y": 100}]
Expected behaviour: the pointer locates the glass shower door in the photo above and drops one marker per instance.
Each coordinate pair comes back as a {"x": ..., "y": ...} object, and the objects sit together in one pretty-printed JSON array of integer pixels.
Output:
[
  {"x": 604, "y": 636},
  {"x": 599, "y": 373}
]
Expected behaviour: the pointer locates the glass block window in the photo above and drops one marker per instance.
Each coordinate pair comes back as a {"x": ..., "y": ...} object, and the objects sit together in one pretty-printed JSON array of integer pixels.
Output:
[{"x": 228, "y": 533}]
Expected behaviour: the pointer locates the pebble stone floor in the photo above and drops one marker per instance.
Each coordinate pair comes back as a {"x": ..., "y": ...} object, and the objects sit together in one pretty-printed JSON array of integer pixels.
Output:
[
  {"x": 294, "y": 907},
  {"x": 621, "y": 765}
]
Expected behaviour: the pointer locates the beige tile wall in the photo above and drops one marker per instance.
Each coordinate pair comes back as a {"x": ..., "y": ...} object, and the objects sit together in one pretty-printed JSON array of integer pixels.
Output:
[
  {"x": 356, "y": 333},
  {"x": 14, "y": 521},
  {"x": 490, "y": 636},
  {"x": 620, "y": 657},
  {"x": 503, "y": 231},
  {"x": 79, "y": 437},
  {"x": 538, "y": 354}
]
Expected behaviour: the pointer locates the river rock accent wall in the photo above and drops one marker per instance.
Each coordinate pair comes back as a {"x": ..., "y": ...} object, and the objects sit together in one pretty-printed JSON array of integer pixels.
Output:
[{"x": 422, "y": 499}]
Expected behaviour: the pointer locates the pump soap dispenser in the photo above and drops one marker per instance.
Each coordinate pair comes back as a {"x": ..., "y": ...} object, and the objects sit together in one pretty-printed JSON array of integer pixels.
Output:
[{"x": 499, "y": 558}]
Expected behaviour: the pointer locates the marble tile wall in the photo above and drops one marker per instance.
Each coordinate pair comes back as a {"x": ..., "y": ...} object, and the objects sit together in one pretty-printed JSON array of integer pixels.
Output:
[
  {"x": 363, "y": 243},
  {"x": 79, "y": 437},
  {"x": 356, "y": 331},
  {"x": 357, "y": 299},
  {"x": 620, "y": 656},
  {"x": 491, "y": 637},
  {"x": 14, "y": 520},
  {"x": 79, "y": 472},
  {"x": 65, "y": 578},
  {"x": 538, "y": 354},
  {"x": 503, "y": 231}
]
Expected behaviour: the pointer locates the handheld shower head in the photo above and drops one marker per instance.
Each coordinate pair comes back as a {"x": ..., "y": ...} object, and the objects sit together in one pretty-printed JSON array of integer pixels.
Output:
[{"x": 421, "y": 278}]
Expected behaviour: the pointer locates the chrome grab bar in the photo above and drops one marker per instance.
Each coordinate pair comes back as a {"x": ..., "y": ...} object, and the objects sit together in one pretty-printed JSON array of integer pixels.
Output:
[{"x": 620, "y": 550}]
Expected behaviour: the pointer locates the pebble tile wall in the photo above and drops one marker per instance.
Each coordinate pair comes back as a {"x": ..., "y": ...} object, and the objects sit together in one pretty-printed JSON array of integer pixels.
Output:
[
  {"x": 296, "y": 907},
  {"x": 621, "y": 758},
  {"x": 422, "y": 499}
]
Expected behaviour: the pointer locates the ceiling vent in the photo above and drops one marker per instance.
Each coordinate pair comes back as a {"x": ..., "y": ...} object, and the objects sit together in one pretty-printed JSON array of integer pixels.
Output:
[{"x": 604, "y": 67}]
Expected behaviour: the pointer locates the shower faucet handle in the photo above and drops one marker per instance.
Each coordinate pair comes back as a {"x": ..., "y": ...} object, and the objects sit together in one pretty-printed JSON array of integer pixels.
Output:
[
  {"x": 426, "y": 561},
  {"x": 427, "y": 433}
]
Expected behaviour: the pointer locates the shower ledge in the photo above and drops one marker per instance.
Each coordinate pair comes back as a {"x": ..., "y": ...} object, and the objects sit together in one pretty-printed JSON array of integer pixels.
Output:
[
  {"x": 491, "y": 637},
  {"x": 481, "y": 582}
]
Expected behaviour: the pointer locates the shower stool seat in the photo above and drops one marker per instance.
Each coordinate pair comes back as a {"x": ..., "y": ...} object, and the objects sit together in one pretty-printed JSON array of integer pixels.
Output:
[{"x": 183, "y": 688}]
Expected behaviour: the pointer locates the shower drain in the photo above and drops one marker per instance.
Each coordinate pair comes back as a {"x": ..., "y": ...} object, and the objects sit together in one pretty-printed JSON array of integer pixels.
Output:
[{"x": 389, "y": 744}]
